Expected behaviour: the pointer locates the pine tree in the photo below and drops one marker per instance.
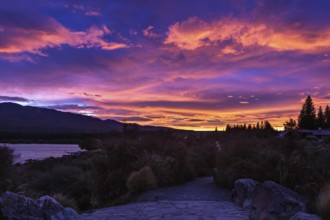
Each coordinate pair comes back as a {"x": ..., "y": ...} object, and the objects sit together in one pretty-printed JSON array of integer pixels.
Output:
[
  {"x": 307, "y": 117},
  {"x": 268, "y": 126},
  {"x": 327, "y": 117},
  {"x": 228, "y": 127},
  {"x": 289, "y": 125},
  {"x": 320, "y": 118}
]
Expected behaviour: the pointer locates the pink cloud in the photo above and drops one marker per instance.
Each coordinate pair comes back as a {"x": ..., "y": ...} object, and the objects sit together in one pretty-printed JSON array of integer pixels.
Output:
[
  {"x": 19, "y": 40},
  {"x": 148, "y": 32},
  {"x": 195, "y": 33}
]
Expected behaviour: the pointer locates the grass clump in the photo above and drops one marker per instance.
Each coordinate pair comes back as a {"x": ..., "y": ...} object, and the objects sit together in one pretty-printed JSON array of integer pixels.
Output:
[{"x": 142, "y": 180}]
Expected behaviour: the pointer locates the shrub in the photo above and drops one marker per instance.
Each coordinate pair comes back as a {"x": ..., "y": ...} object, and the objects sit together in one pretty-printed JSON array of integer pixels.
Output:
[
  {"x": 323, "y": 202},
  {"x": 6, "y": 161},
  {"x": 203, "y": 156},
  {"x": 161, "y": 166},
  {"x": 90, "y": 144},
  {"x": 142, "y": 180},
  {"x": 61, "y": 179},
  {"x": 109, "y": 186},
  {"x": 65, "y": 201}
]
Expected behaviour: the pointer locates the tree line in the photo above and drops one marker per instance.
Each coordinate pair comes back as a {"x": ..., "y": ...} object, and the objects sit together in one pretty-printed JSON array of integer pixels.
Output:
[
  {"x": 260, "y": 126},
  {"x": 309, "y": 119}
]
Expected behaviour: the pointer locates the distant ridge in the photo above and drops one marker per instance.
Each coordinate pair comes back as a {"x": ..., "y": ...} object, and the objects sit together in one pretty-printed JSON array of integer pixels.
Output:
[{"x": 27, "y": 119}]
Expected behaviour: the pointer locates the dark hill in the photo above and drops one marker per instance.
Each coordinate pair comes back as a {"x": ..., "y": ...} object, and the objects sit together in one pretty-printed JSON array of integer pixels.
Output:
[{"x": 27, "y": 119}]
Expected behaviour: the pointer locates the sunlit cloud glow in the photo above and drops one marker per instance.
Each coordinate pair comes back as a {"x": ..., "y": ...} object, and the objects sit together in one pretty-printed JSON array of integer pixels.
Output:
[
  {"x": 195, "y": 33},
  {"x": 16, "y": 40},
  {"x": 183, "y": 64}
]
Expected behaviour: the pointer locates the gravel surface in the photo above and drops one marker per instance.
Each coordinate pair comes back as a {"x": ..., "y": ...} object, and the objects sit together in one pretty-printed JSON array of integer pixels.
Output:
[{"x": 199, "y": 199}]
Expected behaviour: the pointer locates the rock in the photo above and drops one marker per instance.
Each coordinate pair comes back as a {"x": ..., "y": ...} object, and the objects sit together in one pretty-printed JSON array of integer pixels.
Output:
[
  {"x": 273, "y": 201},
  {"x": 49, "y": 206},
  {"x": 305, "y": 216},
  {"x": 14, "y": 206},
  {"x": 51, "y": 209},
  {"x": 242, "y": 194}
]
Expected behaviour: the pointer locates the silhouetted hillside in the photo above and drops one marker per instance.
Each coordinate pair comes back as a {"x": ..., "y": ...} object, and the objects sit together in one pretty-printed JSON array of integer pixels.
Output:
[{"x": 27, "y": 119}]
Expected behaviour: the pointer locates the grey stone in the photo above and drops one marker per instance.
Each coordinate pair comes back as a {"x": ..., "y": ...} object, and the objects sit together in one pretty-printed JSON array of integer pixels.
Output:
[
  {"x": 305, "y": 216},
  {"x": 53, "y": 210},
  {"x": 273, "y": 201},
  {"x": 242, "y": 194},
  {"x": 49, "y": 207},
  {"x": 14, "y": 206}
]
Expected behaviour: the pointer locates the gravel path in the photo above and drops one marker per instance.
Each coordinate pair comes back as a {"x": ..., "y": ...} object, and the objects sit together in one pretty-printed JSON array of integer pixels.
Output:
[
  {"x": 178, "y": 210},
  {"x": 199, "y": 199},
  {"x": 201, "y": 189}
]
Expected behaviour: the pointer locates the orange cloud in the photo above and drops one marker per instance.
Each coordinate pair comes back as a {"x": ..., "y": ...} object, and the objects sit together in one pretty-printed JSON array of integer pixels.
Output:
[
  {"x": 20, "y": 40},
  {"x": 195, "y": 33}
]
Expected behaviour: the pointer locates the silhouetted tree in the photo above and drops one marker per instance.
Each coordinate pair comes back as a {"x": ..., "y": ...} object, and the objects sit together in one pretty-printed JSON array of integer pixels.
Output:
[
  {"x": 307, "y": 117},
  {"x": 289, "y": 125},
  {"x": 327, "y": 117},
  {"x": 268, "y": 126},
  {"x": 261, "y": 126},
  {"x": 258, "y": 126},
  {"x": 320, "y": 118}
]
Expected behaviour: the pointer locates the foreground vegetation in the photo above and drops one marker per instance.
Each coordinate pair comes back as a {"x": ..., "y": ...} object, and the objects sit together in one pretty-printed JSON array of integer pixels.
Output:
[
  {"x": 297, "y": 163},
  {"x": 118, "y": 169},
  {"x": 125, "y": 165}
]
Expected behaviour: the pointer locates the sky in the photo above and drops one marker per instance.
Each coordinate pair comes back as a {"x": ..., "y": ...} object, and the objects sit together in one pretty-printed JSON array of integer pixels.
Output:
[{"x": 189, "y": 64}]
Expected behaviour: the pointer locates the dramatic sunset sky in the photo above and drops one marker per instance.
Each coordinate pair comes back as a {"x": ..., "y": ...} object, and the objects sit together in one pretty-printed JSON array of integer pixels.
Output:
[{"x": 180, "y": 63}]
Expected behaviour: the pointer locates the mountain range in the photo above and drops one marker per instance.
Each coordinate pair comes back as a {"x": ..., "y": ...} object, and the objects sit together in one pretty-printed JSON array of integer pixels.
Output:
[{"x": 15, "y": 118}]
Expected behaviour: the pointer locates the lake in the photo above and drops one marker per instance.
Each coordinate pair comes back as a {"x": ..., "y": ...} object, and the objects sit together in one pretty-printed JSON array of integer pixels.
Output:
[{"x": 26, "y": 152}]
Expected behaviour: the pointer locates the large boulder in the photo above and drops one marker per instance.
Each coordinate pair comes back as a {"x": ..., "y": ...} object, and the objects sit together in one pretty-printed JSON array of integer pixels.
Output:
[
  {"x": 273, "y": 201},
  {"x": 14, "y": 207},
  {"x": 242, "y": 194}
]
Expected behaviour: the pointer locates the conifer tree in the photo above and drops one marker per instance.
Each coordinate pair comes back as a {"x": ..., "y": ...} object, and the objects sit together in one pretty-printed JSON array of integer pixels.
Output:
[
  {"x": 307, "y": 117},
  {"x": 320, "y": 118},
  {"x": 289, "y": 125},
  {"x": 327, "y": 117},
  {"x": 268, "y": 126}
]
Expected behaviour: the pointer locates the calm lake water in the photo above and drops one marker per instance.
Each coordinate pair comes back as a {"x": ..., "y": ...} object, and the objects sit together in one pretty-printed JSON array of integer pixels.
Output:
[{"x": 25, "y": 152}]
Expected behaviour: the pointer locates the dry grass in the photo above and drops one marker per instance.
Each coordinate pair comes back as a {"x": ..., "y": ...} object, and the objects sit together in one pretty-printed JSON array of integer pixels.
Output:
[{"x": 142, "y": 180}]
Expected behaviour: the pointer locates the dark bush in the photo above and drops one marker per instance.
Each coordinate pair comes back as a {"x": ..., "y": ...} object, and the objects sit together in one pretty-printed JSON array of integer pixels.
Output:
[{"x": 6, "y": 168}]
